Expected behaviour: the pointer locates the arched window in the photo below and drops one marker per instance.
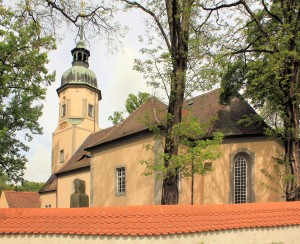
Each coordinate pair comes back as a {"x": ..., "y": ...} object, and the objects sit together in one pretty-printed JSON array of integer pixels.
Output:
[
  {"x": 240, "y": 180},
  {"x": 79, "y": 56},
  {"x": 242, "y": 189}
]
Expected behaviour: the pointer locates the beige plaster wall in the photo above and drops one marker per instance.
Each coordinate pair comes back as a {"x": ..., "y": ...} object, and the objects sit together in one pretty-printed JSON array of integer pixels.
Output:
[
  {"x": 75, "y": 127},
  {"x": 128, "y": 153},
  {"x": 3, "y": 202},
  {"x": 278, "y": 235},
  {"x": 215, "y": 187},
  {"x": 48, "y": 198},
  {"x": 66, "y": 188}
]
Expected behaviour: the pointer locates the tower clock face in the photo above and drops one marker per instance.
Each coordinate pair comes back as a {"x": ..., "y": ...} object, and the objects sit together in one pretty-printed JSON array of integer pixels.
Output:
[{"x": 75, "y": 121}]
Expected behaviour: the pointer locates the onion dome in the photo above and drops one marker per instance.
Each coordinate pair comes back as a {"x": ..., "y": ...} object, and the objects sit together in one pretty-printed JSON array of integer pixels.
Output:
[{"x": 80, "y": 73}]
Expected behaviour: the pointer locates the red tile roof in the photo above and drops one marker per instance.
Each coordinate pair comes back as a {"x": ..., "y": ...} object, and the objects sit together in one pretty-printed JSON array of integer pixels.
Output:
[
  {"x": 149, "y": 220},
  {"x": 22, "y": 199}
]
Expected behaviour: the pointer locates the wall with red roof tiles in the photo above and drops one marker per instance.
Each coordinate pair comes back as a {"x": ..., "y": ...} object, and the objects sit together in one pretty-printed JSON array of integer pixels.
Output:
[{"x": 240, "y": 223}]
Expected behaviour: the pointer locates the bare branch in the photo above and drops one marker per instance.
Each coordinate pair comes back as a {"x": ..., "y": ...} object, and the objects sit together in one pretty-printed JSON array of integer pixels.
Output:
[
  {"x": 247, "y": 8},
  {"x": 270, "y": 13},
  {"x": 75, "y": 19},
  {"x": 162, "y": 78},
  {"x": 252, "y": 50},
  {"x": 135, "y": 4}
]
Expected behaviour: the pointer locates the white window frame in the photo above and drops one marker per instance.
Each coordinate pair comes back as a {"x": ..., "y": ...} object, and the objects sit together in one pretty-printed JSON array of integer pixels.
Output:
[{"x": 120, "y": 178}]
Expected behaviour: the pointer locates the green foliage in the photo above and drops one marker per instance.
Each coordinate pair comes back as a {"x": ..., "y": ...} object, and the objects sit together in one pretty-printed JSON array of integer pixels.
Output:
[
  {"x": 178, "y": 60},
  {"x": 280, "y": 177},
  {"x": 232, "y": 80},
  {"x": 131, "y": 104},
  {"x": 23, "y": 82},
  {"x": 4, "y": 185},
  {"x": 116, "y": 118},
  {"x": 25, "y": 186},
  {"x": 30, "y": 186},
  {"x": 266, "y": 55},
  {"x": 133, "y": 101},
  {"x": 194, "y": 151}
]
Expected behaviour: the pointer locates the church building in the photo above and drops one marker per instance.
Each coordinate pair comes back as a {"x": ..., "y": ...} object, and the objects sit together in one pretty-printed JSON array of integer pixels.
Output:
[{"x": 108, "y": 160}]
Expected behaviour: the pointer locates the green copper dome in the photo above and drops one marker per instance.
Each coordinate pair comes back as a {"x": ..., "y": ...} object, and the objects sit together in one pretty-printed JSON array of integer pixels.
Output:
[{"x": 80, "y": 72}]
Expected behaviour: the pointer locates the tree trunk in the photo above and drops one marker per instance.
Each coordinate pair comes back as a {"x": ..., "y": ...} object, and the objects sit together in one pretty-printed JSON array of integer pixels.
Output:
[
  {"x": 292, "y": 137},
  {"x": 178, "y": 13}
]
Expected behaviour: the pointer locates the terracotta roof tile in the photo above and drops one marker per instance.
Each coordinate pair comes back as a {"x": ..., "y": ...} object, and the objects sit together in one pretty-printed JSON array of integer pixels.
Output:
[
  {"x": 22, "y": 199},
  {"x": 149, "y": 220}
]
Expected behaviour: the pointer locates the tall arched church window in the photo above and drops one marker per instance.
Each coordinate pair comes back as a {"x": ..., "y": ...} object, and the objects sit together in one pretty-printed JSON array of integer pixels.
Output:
[
  {"x": 240, "y": 180},
  {"x": 242, "y": 185}
]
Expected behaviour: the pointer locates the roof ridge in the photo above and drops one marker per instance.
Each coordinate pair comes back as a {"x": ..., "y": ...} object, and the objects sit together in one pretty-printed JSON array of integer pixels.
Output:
[
  {"x": 203, "y": 94},
  {"x": 12, "y": 191}
]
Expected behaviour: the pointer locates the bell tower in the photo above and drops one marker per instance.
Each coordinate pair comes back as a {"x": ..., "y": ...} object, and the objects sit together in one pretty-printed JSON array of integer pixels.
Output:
[{"x": 79, "y": 98}]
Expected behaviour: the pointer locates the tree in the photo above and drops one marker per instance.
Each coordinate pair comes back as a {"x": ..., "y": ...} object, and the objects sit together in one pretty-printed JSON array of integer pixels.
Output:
[
  {"x": 264, "y": 60},
  {"x": 180, "y": 27},
  {"x": 133, "y": 101},
  {"x": 30, "y": 186},
  {"x": 23, "y": 82},
  {"x": 194, "y": 151},
  {"x": 131, "y": 104},
  {"x": 4, "y": 183},
  {"x": 27, "y": 33},
  {"x": 25, "y": 186},
  {"x": 116, "y": 118}
]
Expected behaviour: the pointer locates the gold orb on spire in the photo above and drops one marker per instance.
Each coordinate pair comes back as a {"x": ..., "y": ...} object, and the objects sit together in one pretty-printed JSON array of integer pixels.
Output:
[{"x": 82, "y": 6}]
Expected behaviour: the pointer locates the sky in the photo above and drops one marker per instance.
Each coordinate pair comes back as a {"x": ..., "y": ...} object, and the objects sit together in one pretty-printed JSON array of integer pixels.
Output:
[{"x": 116, "y": 79}]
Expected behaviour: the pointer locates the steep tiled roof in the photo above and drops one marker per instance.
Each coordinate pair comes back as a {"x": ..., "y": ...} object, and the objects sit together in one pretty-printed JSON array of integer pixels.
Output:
[
  {"x": 151, "y": 112},
  {"x": 50, "y": 185},
  {"x": 205, "y": 107},
  {"x": 149, "y": 220},
  {"x": 22, "y": 199}
]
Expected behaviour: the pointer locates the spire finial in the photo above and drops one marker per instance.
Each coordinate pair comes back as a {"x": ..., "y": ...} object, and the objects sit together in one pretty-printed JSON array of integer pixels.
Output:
[{"x": 82, "y": 5}]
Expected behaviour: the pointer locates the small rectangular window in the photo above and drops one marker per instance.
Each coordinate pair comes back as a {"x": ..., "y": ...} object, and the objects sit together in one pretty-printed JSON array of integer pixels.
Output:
[
  {"x": 120, "y": 181},
  {"x": 91, "y": 111},
  {"x": 63, "y": 110},
  {"x": 62, "y": 156},
  {"x": 208, "y": 166}
]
